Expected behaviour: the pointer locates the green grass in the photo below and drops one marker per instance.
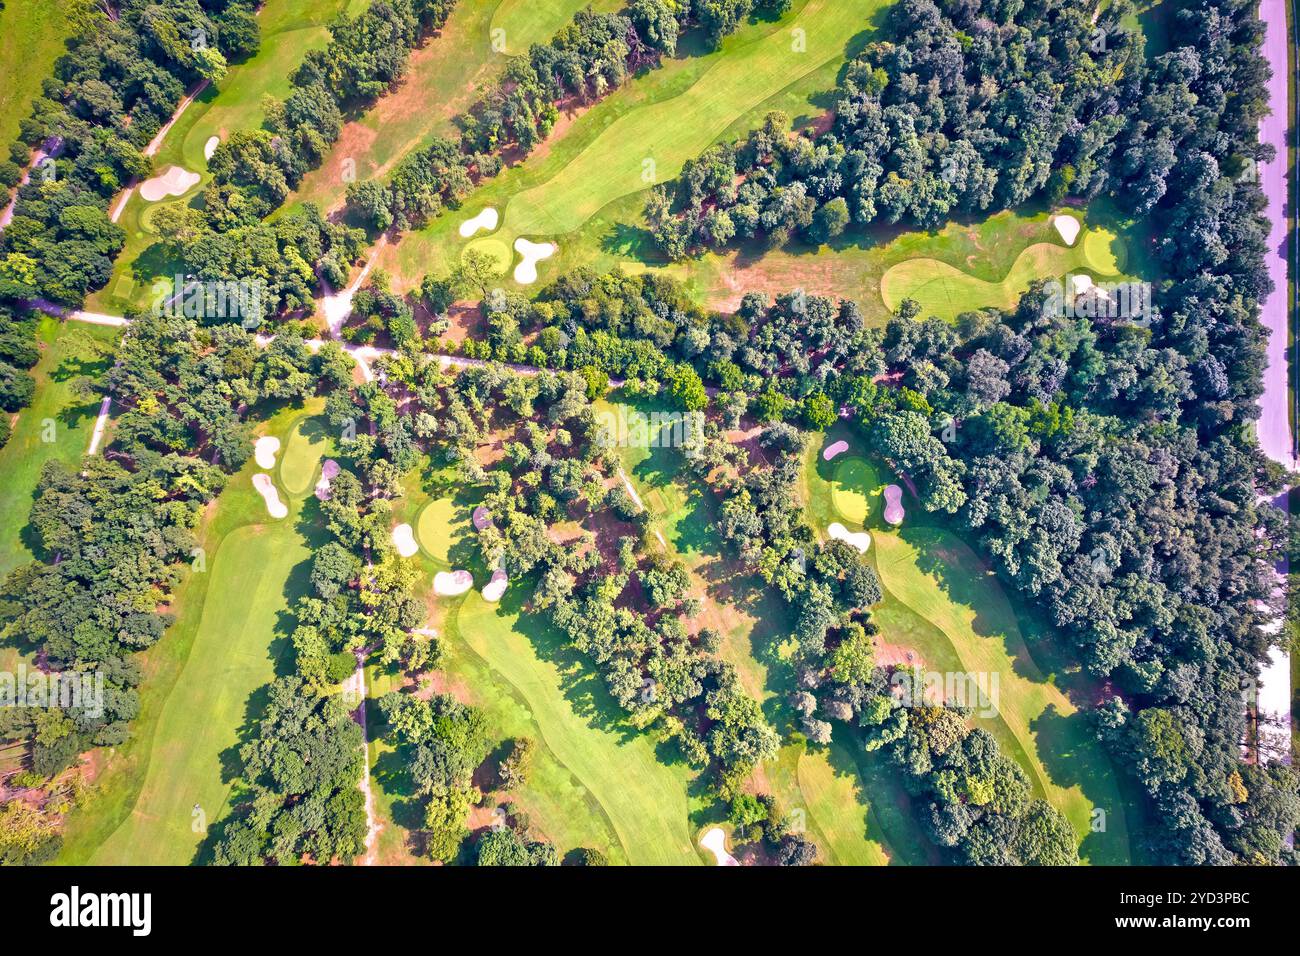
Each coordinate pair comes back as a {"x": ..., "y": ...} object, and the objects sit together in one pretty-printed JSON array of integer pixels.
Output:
[
  {"x": 676, "y": 129},
  {"x": 55, "y": 412},
  {"x": 946, "y": 290},
  {"x": 301, "y": 455},
  {"x": 202, "y": 680},
  {"x": 433, "y": 529},
  {"x": 32, "y": 37},
  {"x": 944, "y": 604},
  {"x": 643, "y": 797}
]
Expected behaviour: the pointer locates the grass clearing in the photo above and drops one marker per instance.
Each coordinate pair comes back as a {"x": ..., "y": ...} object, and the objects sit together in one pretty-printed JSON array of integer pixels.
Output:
[
  {"x": 32, "y": 36},
  {"x": 202, "y": 680},
  {"x": 444, "y": 78}
]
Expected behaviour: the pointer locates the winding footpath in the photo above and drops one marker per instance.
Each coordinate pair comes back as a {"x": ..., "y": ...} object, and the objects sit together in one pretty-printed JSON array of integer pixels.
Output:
[{"x": 1274, "y": 428}]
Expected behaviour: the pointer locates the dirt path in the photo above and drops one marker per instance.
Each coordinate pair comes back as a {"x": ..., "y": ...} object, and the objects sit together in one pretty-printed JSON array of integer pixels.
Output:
[{"x": 356, "y": 685}]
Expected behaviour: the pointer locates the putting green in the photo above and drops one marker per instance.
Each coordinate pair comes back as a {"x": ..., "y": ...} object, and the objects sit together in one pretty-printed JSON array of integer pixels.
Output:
[
  {"x": 946, "y": 291},
  {"x": 307, "y": 444},
  {"x": 855, "y": 480},
  {"x": 501, "y": 255},
  {"x": 435, "y": 528}
]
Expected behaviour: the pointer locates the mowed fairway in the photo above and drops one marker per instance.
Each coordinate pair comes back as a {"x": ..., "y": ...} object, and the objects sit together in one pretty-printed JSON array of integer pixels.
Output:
[
  {"x": 55, "y": 411},
  {"x": 202, "y": 681},
  {"x": 674, "y": 130},
  {"x": 946, "y": 291},
  {"x": 644, "y": 799}
]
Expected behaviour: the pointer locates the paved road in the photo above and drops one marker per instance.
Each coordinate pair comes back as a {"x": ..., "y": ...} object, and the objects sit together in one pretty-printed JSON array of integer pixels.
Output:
[
  {"x": 1276, "y": 437},
  {"x": 1275, "y": 434}
]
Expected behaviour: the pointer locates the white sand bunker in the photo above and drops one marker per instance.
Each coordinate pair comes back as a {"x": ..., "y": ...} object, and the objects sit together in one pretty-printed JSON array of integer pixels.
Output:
[
  {"x": 533, "y": 253},
  {"x": 838, "y": 448},
  {"x": 486, "y": 220},
  {"x": 452, "y": 584},
  {"x": 715, "y": 841},
  {"x": 1080, "y": 284},
  {"x": 173, "y": 181},
  {"x": 271, "y": 495},
  {"x": 404, "y": 540},
  {"x": 894, "y": 510},
  {"x": 1067, "y": 227},
  {"x": 856, "y": 539},
  {"x": 328, "y": 472},
  {"x": 482, "y": 518},
  {"x": 265, "y": 450},
  {"x": 496, "y": 587},
  {"x": 210, "y": 146}
]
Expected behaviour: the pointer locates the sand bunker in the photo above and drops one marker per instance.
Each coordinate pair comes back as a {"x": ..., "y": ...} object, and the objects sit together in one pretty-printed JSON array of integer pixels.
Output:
[
  {"x": 173, "y": 181},
  {"x": 856, "y": 539},
  {"x": 894, "y": 510},
  {"x": 271, "y": 495},
  {"x": 496, "y": 587},
  {"x": 328, "y": 472},
  {"x": 1080, "y": 284},
  {"x": 839, "y": 448},
  {"x": 1067, "y": 227},
  {"x": 404, "y": 540},
  {"x": 486, "y": 220},
  {"x": 452, "y": 584},
  {"x": 265, "y": 450},
  {"x": 533, "y": 253},
  {"x": 210, "y": 146},
  {"x": 715, "y": 841},
  {"x": 482, "y": 518}
]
